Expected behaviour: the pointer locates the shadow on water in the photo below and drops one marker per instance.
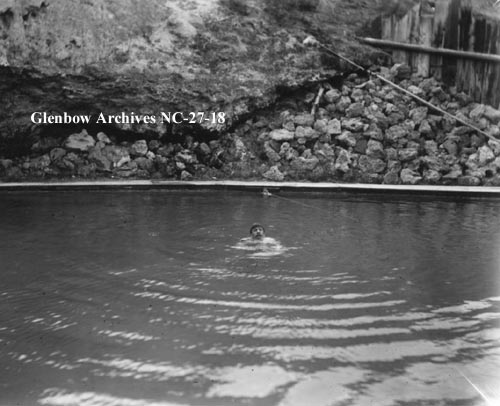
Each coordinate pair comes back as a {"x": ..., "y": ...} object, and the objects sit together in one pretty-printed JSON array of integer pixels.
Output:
[{"x": 147, "y": 299}]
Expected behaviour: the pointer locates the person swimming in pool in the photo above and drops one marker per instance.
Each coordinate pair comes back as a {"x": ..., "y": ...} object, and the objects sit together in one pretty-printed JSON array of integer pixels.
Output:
[
  {"x": 258, "y": 235},
  {"x": 260, "y": 245}
]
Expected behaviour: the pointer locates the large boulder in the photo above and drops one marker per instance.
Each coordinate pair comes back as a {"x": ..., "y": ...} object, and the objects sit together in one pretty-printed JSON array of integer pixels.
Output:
[
  {"x": 334, "y": 127},
  {"x": 274, "y": 174},
  {"x": 346, "y": 139},
  {"x": 116, "y": 155},
  {"x": 492, "y": 114},
  {"x": 407, "y": 154},
  {"x": 81, "y": 141},
  {"x": 495, "y": 146},
  {"x": 396, "y": 132},
  {"x": 468, "y": 180},
  {"x": 410, "y": 177},
  {"x": 56, "y": 154},
  {"x": 418, "y": 114},
  {"x": 306, "y": 133},
  {"x": 343, "y": 161},
  {"x": 139, "y": 148},
  {"x": 304, "y": 120},
  {"x": 355, "y": 110},
  {"x": 353, "y": 124},
  {"x": 375, "y": 149},
  {"x": 485, "y": 155},
  {"x": 371, "y": 165},
  {"x": 281, "y": 135},
  {"x": 333, "y": 96},
  {"x": 270, "y": 153},
  {"x": 302, "y": 164}
]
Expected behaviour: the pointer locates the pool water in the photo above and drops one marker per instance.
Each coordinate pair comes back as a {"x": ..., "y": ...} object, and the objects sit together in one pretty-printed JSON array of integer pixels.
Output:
[{"x": 144, "y": 299}]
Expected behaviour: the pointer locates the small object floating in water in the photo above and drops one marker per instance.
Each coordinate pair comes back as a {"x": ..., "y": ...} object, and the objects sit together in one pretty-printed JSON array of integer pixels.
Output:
[{"x": 266, "y": 193}]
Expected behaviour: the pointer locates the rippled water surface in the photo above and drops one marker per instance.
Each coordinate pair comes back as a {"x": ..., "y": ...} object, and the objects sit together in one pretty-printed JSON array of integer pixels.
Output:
[{"x": 144, "y": 299}]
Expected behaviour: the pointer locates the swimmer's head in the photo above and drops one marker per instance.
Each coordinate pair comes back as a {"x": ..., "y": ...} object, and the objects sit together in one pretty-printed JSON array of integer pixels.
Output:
[{"x": 257, "y": 231}]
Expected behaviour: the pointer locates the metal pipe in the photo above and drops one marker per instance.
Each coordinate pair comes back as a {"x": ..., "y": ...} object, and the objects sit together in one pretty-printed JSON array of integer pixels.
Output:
[{"x": 439, "y": 51}]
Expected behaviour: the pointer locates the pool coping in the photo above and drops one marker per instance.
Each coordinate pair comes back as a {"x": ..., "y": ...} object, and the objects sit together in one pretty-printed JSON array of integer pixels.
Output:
[{"x": 251, "y": 185}]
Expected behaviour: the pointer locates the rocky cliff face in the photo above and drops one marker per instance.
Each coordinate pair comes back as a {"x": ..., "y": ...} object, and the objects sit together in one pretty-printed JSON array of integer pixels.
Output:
[
  {"x": 88, "y": 56},
  {"x": 361, "y": 130},
  {"x": 247, "y": 59}
]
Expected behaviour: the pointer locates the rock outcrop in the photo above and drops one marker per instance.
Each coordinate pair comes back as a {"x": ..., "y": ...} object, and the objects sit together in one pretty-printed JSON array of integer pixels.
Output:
[
  {"x": 385, "y": 143},
  {"x": 88, "y": 57},
  {"x": 253, "y": 61}
]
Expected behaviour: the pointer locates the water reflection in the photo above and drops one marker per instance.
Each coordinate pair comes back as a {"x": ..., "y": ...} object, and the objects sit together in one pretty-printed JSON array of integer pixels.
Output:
[{"x": 140, "y": 299}]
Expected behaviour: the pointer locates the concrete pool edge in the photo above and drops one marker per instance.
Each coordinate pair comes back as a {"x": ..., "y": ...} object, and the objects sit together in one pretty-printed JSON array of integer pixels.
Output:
[{"x": 252, "y": 185}]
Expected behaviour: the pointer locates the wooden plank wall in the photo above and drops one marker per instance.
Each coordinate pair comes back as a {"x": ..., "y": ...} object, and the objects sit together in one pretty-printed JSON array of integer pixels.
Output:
[{"x": 453, "y": 25}]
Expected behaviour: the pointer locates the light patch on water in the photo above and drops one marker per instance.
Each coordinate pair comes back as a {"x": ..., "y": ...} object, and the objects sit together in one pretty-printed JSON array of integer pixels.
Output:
[
  {"x": 260, "y": 297},
  {"x": 127, "y": 335},
  {"x": 148, "y": 283},
  {"x": 286, "y": 278},
  {"x": 309, "y": 333},
  {"x": 60, "y": 365},
  {"x": 487, "y": 316},
  {"x": 57, "y": 322},
  {"x": 61, "y": 397},
  {"x": 154, "y": 295},
  {"x": 375, "y": 352},
  {"x": 449, "y": 324},
  {"x": 267, "y": 254},
  {"x": 303, "y": 322},
  {"x": 467, "y": 307},
  {"x": 215, "y": 270},
  {"x": 357, "y": 282},
  {"x": 257, "y": 381},
  {"x": 274, "y": 306},
  {"x": 350, "y": 296},
  {"x": 127, "y": 368},
  {"x": 443, "y": 383},
  {"x": 485, "y": 335},
  {"x": 325, "y": 388},
  {"x": 26, "y": 358},
  {"x": 118, "y": 273},
  {"x": 269, "y": 247}
]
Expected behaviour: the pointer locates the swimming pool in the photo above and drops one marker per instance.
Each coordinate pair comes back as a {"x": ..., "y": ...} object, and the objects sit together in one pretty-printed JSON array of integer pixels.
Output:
[{"x": 142, "y": 298}]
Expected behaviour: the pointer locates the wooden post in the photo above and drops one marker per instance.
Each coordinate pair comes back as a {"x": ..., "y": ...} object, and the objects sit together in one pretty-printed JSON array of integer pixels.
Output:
[
  {"x": 401, "y": 34},
  {"x": 425, "y": 39},
  {"x": 439, "y": 34}
]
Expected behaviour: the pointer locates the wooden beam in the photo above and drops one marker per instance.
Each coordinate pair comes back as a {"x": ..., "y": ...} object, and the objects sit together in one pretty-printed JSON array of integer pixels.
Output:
[{"x": 439, "y": 51}]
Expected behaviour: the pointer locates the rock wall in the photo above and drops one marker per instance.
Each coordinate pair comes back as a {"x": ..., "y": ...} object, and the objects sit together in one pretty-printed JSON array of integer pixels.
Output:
[
  {"x": 91, "y": 56},
  {"x": 363, "y": 130},
  {"x": 238, "y": 57},
  {"x": 366, "y": 131}
]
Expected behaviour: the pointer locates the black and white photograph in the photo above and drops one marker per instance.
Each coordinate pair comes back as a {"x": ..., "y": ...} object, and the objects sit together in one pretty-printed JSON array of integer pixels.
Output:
[{"x": 250, "y": 203}]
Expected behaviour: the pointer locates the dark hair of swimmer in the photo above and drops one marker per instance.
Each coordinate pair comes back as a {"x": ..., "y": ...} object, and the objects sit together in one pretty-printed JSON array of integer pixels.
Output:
[{"x": 255, "y": 226}]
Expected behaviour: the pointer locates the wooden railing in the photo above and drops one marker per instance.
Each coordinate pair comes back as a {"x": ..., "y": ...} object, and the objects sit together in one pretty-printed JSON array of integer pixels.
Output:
[{"x": 454, "y": 26}]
